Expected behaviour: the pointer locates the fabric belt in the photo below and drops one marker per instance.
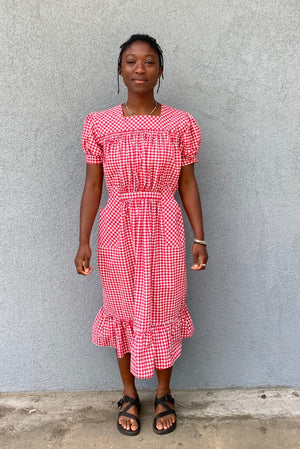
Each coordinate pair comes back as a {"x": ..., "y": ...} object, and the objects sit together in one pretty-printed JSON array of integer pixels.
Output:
[{"x": 147, "y": 195}]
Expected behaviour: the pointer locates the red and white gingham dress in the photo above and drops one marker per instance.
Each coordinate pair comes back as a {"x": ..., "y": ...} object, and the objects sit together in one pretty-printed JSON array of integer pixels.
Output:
[{"x": 141, "y": 246}]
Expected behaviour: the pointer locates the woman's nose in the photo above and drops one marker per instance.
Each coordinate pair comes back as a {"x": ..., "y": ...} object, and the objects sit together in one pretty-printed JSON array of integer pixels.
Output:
[{"x": 139, "y": 68}]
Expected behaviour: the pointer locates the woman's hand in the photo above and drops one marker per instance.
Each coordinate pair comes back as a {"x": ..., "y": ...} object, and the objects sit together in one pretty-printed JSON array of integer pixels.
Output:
[
  {"x": 89, "y": 206},
  {"x": 200, "y": 257},
  {"x": 190, "y": 197},
  {"x": 82, "y": 259}
]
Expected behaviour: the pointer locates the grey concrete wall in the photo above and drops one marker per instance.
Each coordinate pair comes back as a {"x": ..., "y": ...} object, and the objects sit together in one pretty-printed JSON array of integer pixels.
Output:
[{"x": 233, "y": 65}]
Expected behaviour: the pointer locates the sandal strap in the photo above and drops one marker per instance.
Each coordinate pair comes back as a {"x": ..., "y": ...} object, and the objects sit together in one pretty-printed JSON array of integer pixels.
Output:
[
  {"x": 162, "y": 414},
  {"x": 163, "y": 399},
  {"x": 131, "y": 402},
  {"x": 129, "y": 415}
]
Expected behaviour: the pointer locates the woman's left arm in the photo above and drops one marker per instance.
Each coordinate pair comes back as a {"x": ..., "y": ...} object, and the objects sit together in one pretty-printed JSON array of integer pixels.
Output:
[{"x": 190, "y": 197}]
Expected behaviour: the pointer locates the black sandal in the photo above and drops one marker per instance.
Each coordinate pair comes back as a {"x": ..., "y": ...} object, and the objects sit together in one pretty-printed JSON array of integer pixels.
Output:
[
  {"x": 129, "y": 415},
  {"x": 168, "y": 411}
]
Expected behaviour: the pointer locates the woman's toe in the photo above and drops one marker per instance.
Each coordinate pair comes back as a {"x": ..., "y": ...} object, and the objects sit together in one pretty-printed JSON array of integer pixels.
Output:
[
  {"x": 124, "y": 423},
  {"x": 160, "y": 425},
  {"x": 134, "y": 426}
]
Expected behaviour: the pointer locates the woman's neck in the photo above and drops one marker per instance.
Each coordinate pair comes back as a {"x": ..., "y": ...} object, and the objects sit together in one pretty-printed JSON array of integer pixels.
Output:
[{"x": 141, "y": 105}]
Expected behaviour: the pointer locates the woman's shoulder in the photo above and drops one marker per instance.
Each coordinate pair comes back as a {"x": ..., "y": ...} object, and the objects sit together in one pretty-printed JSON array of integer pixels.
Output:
[
  {"x": 104, "y": 115},
  {"x": 178, "y": 116},
  {"x": 105, "y": 122}
]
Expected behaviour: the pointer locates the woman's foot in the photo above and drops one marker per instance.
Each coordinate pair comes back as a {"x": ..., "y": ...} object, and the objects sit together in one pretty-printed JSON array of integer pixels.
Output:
[
  {"x": 128, "y": 418},
  {"x": 165, "y": 415}
]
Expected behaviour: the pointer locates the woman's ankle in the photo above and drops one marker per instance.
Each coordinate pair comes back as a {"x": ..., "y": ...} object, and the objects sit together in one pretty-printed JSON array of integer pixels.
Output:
[
  {"x": 130, "y": 390},
  {"x": 162, "y": 391}
]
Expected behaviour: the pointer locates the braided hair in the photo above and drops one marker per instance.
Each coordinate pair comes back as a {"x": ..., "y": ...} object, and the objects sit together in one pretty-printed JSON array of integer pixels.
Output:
[{"x": 144, "y": 38}]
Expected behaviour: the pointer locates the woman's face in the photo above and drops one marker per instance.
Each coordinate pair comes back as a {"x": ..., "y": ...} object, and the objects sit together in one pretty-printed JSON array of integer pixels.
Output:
[{"x": 140, "y": 67}]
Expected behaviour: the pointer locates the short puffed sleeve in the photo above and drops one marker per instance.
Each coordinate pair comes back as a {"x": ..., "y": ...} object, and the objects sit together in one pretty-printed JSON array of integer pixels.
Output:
[
  {"x": 90, "y": 143},
  {"x": 190, "y": 142}
]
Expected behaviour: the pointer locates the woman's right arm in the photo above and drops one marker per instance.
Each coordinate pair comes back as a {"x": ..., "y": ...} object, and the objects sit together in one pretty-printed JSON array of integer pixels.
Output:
[{"x": 89, "y": 207}]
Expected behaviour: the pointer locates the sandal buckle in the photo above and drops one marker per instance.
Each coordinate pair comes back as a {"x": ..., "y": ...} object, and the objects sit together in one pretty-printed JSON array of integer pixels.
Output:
[{"x": 120, "y": 403}]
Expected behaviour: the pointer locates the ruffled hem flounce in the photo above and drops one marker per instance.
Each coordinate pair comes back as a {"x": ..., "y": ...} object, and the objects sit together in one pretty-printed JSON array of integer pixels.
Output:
[{"x": 156, "y": 348}]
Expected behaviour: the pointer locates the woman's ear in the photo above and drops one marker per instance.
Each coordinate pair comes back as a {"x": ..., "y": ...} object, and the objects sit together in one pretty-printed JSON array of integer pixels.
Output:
[{"x": 120, "y": 70}]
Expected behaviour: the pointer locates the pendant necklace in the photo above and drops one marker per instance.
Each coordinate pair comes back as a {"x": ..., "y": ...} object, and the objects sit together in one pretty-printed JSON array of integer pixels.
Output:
[{"x": 132, "y": 113}]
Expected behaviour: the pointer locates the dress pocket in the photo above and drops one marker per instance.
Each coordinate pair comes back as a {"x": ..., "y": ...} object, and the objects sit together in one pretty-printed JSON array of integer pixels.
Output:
[
  {"x": 109, "y": 226},
  {"x": 173, "y": 224}
]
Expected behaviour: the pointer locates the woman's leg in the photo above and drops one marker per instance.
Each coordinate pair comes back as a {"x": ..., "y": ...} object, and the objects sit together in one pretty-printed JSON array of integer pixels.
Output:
[
  {"x": 129, "y": 390},
  {"x": 163, "y": 388}
]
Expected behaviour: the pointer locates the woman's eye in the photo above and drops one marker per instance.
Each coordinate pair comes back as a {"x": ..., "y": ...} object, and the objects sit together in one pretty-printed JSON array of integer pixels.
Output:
[
  {"x": 130, "y": 62},
  {"x": 149, "y": 62}
]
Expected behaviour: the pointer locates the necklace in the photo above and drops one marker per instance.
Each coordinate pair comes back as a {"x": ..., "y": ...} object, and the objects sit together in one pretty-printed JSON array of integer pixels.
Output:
[{"x": 132, "y": 113}]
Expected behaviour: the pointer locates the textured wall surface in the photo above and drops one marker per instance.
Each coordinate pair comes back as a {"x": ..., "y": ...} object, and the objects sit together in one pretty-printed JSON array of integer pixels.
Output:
[{"x": 233, "y": 65}]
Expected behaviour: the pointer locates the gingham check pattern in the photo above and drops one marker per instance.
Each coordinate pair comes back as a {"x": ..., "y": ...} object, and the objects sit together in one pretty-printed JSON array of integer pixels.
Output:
[{"x": 141, "y": 247}]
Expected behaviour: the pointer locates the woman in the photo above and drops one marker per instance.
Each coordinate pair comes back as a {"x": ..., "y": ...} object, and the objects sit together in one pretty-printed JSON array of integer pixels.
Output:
[{"x": 146, "y": 151}]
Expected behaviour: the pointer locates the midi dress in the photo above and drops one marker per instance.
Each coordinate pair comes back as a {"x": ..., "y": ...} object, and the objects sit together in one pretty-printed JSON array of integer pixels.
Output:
[{"x": 141, "y": 242}]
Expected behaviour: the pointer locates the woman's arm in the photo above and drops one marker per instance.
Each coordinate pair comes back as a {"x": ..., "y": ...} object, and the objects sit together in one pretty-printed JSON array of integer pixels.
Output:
[
  {"x": 190, "y": 197},
  {"x": 89, "y": 206}
]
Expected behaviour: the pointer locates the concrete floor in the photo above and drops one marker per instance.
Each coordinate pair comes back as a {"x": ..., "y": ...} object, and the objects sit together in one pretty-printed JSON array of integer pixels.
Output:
[{"x": 208, "y": 419}]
